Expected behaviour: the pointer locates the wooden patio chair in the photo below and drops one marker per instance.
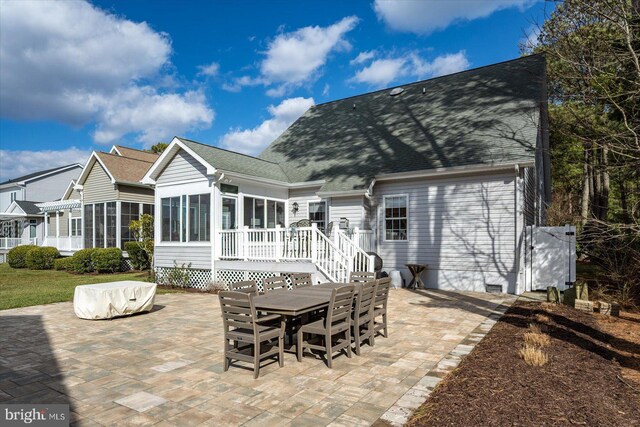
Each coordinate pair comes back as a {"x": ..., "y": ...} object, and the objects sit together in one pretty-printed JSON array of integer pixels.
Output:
[
  {"x": 247, "y": 286},
  {"x": 301, "y": 280},
  {"x": 362, "y": 277},
  {"x": 247, "y": 337},
  {"x": 362, "y": 317},
  {"x": 274, "y": 283},
  {"x": 336, "y": 322},
  {"x": 380, "y": 308}
]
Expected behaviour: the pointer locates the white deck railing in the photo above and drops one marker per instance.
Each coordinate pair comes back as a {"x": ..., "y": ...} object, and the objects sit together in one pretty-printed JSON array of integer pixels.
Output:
[
  {"x": 12, "y": 242},
  {"x": 65, "y": 243},
  {"x": 359, "y": 260},
  {"x": 365, "y": 239},
  {"x": 336, "y": 259}
]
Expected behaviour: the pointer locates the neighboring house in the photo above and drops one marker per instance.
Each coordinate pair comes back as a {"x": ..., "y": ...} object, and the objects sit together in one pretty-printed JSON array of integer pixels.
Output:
[
  {"x": 21, "y": 221},
  {"x": 445, "y": 172},
  {"x": 97, "y": 208}
]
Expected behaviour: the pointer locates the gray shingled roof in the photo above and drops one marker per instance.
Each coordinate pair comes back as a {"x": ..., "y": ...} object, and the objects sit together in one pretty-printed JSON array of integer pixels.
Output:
[
  {"x": 28, "y": 207},
  {"x": 487, "y": 115},
  {"x": 35, "y": 174},
  {"x": 231, "y": 161}
]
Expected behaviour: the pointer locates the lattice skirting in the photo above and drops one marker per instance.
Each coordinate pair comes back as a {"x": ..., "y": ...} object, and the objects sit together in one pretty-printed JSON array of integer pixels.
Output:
[
  {"x": 126, "y": 264},
  {"x": 199, "y": 279}
]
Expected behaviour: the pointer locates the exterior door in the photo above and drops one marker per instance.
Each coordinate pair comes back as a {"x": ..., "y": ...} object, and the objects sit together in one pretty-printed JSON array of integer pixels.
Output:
[{"x": 229, "y": 212}]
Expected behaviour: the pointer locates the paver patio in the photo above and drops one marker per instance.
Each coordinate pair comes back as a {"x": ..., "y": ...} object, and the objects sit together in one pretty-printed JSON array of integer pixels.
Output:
[{"x": 165, "y": 367}]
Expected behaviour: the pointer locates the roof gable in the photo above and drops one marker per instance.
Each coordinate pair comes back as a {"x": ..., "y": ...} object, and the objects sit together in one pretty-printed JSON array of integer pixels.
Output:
[
  {"x": 119, "y": 169},
  {"x": 40, "y": 174},
  {"x": 132, "y": 153}
]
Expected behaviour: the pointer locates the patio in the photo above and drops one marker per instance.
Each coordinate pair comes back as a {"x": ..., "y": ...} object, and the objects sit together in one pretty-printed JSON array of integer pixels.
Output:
[{"x": 165, "y": 367}]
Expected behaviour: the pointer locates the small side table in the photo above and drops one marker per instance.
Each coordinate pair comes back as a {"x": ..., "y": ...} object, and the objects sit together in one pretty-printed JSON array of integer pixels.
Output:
[{"x": 416, "y": 270}]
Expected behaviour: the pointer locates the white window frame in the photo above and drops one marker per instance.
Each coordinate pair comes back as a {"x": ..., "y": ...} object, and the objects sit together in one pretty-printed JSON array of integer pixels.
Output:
[
  {"x": 14, "y": 196},
  {"x": 384, "y": 218},
  {"x": 242, "y": 196},
  {"x": 184, "y": 220},
  {"x": 75, "y": 227},
  {"x": 326, "y": 211}
]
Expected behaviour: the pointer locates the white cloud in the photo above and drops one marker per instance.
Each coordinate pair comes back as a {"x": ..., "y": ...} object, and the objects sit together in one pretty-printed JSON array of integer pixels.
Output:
[
  {"x": 363, "y": 57},
  {"x": 440, "y": 66},
  {"x": 253, "y": 141},
  {"x": 154, "y": 116},
  {"x": 73, "y": 63},
  {"x": 426, "y": 16},
  {"x": 210, "y": 70},
  {"x": 295, "y": 58},
  {"x": 530, "y": 41},
  {"x": 380, "y": 72},
  {"x": 32, "y": 161}
]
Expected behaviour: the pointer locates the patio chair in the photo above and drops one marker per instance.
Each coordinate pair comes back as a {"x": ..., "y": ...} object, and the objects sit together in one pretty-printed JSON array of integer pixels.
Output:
[
  {"x": 380, "y": 308},
  {"x": 274, "y": 283},
  {"x": 362, "y": 317},
  {"x": 336, "y": 322},
  {"x": 247, "y": 286},
  {"x": 247, "y": 337},
  {"x": 301, "y": 280},
  {"x": 362, "y": 276}
]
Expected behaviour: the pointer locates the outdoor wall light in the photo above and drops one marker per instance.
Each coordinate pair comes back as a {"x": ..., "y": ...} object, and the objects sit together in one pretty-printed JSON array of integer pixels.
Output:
[{"x": 295, "y": 207}]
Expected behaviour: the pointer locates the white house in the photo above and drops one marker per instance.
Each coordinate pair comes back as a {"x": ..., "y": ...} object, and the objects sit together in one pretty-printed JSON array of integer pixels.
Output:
[
  {"x": 445, "y": 172},
  {"x": 96, "y": 209},
  {"x": 21, "y": 221}
]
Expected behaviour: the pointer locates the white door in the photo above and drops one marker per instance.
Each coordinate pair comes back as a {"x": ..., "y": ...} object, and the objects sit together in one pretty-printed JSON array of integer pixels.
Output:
[{"x": 554, "y": 256}]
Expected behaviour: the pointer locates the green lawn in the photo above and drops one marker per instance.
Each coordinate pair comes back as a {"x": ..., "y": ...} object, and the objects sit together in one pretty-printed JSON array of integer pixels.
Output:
[{"x": 23, "y": 288}]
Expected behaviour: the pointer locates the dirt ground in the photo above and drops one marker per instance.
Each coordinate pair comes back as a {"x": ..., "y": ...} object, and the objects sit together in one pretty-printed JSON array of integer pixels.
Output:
[{"x": 592, "y": 377}]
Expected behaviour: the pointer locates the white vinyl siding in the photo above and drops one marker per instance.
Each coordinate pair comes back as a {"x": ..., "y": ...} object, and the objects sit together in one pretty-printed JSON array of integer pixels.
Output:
[
  {"x": 182, "y": 167},
  {"x": 351, "y": 208},
  {"x": 98, "y": 186},
  {"x": 463, "y": 228},
  {"x": 302, "y": 197},
  {"x": 198, "y": 256}
]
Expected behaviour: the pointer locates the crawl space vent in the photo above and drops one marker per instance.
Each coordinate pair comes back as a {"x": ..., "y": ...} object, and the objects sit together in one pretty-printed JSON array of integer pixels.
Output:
[{"x": 494, "y": 289}]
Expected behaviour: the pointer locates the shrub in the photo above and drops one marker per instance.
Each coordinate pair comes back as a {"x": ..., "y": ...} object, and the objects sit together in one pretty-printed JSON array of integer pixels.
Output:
[
  {"x": 63, "y": 263},
  {"x": 81, "y": 261},
  {"x": 107, "y": 260},
  {"x": 178, "y": 276},
  {"x": 41, "y": 258},
  {"x": 533, "y": 356},
  {"x": 137, "y": 255},
  {"x": 16, "y": 256}
]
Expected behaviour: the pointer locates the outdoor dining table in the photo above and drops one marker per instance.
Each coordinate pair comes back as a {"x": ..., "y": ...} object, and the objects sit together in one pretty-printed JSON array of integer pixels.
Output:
[{"x": 298, "y": 301}]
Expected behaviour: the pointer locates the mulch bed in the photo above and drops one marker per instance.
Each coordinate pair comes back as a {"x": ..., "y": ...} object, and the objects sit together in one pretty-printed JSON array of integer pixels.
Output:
[{"x": 590, "y": 378}]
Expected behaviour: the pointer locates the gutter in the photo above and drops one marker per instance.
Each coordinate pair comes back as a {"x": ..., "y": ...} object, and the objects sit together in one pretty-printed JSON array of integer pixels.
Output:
[{"x": 455, "y": 170}]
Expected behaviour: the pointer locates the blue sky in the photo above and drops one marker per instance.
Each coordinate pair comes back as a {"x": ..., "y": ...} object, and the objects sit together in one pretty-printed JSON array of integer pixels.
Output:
[{"x": 78, "y": 76}]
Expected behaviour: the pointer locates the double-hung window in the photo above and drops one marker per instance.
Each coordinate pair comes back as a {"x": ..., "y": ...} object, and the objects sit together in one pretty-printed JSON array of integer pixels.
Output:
[
  {"x": 76, "y": 227},
  {"x": 395, "y": 217}
]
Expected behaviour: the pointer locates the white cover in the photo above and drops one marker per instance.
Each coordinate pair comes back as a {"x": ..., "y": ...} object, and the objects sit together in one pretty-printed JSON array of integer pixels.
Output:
[{"x": 108, "y": 300}]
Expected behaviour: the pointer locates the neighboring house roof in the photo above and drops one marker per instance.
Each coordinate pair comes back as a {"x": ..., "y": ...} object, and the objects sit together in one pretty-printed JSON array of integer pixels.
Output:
[
  {"x": 39, "y": 174},
  {"x": 132, "y": 153},
  {"x": 487, "y": 115},
  {"x": 121, "y": 169},
  {"x": 27, "y": 207},
  {"x": 231, "y": 161}
]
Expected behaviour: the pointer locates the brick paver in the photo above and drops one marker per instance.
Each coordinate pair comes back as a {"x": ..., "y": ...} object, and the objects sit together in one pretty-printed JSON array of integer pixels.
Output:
[{"x": 164, "y": 368}]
